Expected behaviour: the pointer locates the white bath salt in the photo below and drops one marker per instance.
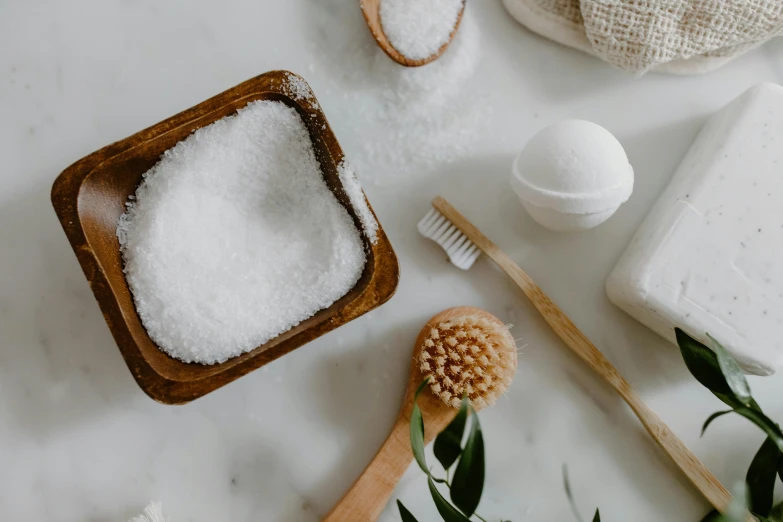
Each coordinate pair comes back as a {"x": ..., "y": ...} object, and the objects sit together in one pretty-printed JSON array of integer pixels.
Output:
[
  {"x": 354, "y": 191},
  {"x": 419, "y": 28},
  {"x": 407, "y": 120},
  {"x": 234, "y": 237}
]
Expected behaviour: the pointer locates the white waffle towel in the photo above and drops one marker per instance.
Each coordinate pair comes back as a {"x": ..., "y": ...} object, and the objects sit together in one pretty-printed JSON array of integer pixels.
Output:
[{"x": 676, "y": 36}]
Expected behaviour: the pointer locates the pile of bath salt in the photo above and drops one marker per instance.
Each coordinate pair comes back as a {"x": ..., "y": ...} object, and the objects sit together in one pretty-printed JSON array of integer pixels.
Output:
[
  {"x": 233, "y": 237},
  {"x": 419, "y": 28},
  {"x": 407, "y": 120}
]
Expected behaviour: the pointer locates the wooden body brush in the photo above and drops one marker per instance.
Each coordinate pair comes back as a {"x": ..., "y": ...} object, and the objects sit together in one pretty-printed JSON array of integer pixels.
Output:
[
  {"x": 462, "y": 350},
  {"x": 464, "y": 243}
]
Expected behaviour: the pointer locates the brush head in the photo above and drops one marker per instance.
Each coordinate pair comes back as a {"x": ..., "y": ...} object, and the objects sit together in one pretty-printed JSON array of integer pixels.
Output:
[
  {"x": 467, "y": 351},
  {"x": 462, "y": 251}
]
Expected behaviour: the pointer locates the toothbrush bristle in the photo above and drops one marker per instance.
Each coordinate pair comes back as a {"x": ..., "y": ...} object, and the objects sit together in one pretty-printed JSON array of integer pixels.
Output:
[{"x": 461, "y": 250}]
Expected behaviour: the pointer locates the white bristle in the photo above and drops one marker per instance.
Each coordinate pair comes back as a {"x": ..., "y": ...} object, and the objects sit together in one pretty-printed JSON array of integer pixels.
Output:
[
  {"x": 153, "y": 513},
  {"x": 461, "y": 250}
]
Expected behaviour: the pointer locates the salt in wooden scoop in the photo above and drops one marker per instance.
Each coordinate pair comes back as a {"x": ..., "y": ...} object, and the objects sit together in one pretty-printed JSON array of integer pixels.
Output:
[
  {"x": 462, "y": 350},
  {"x": 415, "y": 41}
]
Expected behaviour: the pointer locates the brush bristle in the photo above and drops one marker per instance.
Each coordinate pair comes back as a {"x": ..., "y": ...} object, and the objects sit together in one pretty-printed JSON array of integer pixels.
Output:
[
  {"x": 461, "y": 250},
  {"x": 468, "y": 355}
]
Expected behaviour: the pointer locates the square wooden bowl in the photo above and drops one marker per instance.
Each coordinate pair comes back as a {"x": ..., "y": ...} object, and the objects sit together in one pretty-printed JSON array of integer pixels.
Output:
[{"x": 90, "y": 195}]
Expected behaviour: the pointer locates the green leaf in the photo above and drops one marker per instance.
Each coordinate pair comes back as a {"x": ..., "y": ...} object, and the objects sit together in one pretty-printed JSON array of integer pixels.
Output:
[
  {"x": 735, "y": 403},
  {"x": 712, "y": 418},
  {"x": 468, "y": 482},
  {"x": 761, "y": 478},
  {"x": 417, "y": 431},
  {"x": 703, "y": 365},
  {"x": 448, "y": 512},
  {"x": 765, "y": 423},
  {"x": 712, "y": 516},
  {"x": 448, "y": 443},
  {"x": 733, "y": 374},
  {"x": 405, "y": 514},
  {"x": 597, "y": 517}
]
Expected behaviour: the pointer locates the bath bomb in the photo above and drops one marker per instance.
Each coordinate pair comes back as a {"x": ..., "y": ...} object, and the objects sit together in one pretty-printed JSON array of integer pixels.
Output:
[{"x": 572, "y": 175}]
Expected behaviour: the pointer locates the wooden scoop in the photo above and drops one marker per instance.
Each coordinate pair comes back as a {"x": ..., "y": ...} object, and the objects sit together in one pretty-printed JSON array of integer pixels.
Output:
[
  {"x": 462, "y": 350},
  {"x": 372, "y": 15}
]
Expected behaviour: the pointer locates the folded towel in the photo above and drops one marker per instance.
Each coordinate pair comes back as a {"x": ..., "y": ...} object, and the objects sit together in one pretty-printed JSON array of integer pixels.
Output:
[{"x": 676, "y": 36}]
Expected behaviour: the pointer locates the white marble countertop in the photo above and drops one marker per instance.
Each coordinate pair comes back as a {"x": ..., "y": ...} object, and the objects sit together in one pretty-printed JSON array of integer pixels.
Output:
[{"x": 80, "y": 441}]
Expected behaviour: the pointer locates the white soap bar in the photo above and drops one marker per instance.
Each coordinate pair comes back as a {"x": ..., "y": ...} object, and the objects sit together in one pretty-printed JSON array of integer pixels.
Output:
[{"x": 709, "y": 257}]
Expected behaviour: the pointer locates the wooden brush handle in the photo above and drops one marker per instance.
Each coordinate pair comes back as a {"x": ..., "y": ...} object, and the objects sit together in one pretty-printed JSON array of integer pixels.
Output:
[
  {"x": 371, "y": 491},
  {"x": 690, "y": 465}
]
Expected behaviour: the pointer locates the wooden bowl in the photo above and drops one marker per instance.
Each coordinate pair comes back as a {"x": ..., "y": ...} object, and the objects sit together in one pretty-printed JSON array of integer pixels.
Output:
[{"x": 90, "y": 195}]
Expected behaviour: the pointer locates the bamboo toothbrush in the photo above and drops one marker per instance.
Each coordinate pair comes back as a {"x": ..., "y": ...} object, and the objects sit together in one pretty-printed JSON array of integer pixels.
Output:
[
  {"x": 463, "y": 243},
  {"x": 462, "y": 350}
]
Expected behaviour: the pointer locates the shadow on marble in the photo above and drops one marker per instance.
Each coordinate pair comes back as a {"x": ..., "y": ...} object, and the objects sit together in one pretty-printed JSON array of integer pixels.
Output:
[{"x": 59, "y": 363}]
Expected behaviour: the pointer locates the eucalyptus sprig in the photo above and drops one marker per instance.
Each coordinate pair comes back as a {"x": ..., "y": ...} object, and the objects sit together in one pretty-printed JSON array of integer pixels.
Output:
[
  {"x": 467, "y": 483},
  {"x": 717, "y": 371}
]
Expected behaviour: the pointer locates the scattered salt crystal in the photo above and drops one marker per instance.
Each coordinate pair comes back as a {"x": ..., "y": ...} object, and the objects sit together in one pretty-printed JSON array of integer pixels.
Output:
[
  {"x": 419, "y": 28},
  {"x": 355, "y": 194},
  {"x": 295, "y": 87},
  {"x": 407, "y": 120},
  {"x": 234, "y": 237}
]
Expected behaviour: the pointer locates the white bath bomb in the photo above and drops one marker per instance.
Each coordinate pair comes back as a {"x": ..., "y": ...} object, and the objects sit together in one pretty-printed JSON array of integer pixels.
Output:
[{"x": 572, "y": 175}]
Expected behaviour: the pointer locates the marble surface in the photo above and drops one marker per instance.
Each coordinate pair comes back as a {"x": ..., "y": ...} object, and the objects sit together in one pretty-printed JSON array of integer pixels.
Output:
[{"x": 80, "y": 442}]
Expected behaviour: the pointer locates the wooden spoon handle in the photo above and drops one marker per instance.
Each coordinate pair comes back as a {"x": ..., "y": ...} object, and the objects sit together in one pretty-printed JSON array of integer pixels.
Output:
[
  {"x": 371, "y": 491},
  {"x": 691, "y": 466}
]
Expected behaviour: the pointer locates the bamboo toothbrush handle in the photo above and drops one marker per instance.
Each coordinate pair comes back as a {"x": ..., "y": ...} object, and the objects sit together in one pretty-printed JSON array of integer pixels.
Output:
[
  {"x": 693, "y": 468},
  {"x": 371, "y": 491}
]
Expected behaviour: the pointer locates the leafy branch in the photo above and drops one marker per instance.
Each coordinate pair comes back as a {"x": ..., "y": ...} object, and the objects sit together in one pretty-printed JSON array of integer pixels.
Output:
[
  {"x": 717, "y": 371},
  {"x": 467, "y": 484}
]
